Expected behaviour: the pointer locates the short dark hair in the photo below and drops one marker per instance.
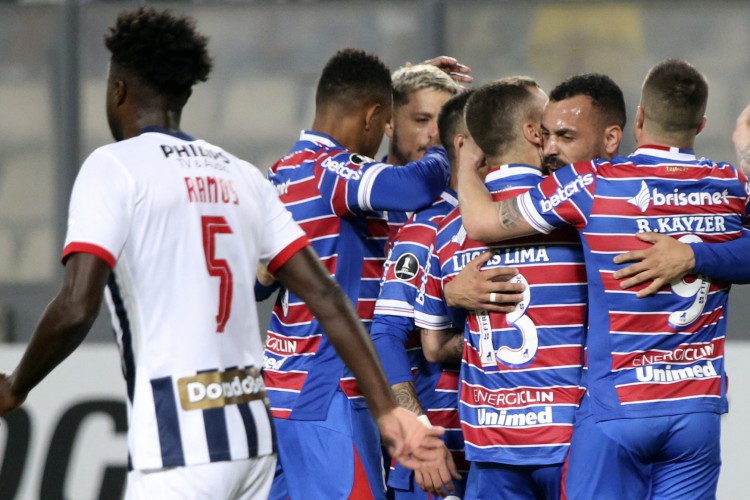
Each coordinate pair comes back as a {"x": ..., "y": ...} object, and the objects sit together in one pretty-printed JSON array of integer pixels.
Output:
[
  {"x": 352, "y": 77},
  {"x": 162, "y": 50},
  {"x": 493, "y": 112},
  {"x": 674, "y": 96},
  {"x": 606, "y": 96},
  {"x": 451, "y": 120}
]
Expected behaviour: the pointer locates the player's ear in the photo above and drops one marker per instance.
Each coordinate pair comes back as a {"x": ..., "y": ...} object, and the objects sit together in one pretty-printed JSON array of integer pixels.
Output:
[
  {"x": 638, "y": 122},
  {"x": 533, "y": 134},
  {"x": 371, "y": 114},
  {"x": 118, "y": 91},
  {"x": 612, "y": 138},
  {"x": 458, "y": 141},
  {"x": 389, "y": 128},
  {"x": 702, "y": 125}
]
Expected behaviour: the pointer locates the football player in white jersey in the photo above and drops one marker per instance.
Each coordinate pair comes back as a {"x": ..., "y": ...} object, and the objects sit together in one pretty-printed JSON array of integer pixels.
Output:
[{"x": 173, "y": 228}]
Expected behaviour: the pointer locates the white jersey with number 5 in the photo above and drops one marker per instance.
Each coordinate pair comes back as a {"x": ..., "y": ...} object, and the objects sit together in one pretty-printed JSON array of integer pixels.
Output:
[{"x": 183, "y": 225}]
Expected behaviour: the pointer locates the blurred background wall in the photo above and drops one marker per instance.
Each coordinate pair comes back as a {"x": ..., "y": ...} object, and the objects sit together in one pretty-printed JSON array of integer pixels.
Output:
[{"x": 268, "y": 55}]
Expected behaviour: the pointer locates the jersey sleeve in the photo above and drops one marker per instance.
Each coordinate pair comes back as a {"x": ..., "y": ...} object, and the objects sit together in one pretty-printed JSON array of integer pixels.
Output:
[
  {"x": 563, "y": 197},
  {"x": 282, "y": 237},
  {"x": 727, "y": 261},
  {"x": 430, "y": 310},
  {"x": 354, "y": 184},
  {"x": 393, "y": 322},
  {"x": 101, "y": 208}
]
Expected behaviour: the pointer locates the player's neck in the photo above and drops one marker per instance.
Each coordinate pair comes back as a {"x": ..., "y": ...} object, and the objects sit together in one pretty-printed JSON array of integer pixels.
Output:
[{"x": 162, "y": 118}]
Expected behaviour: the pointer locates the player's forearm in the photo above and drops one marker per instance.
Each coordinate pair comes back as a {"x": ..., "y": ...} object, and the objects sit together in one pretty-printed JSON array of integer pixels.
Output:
[
  {"x": 406, "y": 397},
  {"x": 389, "y": 341},
  {"x": 56, "y": 337},
  {"x": 443, "y": 346},
  {"x": 413, "y": 186},
  {"x": 65, "y": 322},
  {"x": 726, "y": 261}
]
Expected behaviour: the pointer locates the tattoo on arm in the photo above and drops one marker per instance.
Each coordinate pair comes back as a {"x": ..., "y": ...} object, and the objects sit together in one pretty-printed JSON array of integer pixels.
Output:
[
  {"x": 459, "y": 346},
  {"x": 508, "y": 213},
  {"x": 406, "y": 397}
]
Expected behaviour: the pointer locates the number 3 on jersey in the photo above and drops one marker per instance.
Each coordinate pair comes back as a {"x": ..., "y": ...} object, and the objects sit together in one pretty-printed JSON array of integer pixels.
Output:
[
  {"x": 218, "y": 268},
  {"x": 518, "y": 357}
]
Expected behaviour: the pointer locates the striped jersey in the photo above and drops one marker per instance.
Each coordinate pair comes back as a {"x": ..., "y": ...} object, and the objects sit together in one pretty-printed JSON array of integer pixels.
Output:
[
  {"x": 521, "y": 371},
  {"x": 436, "y": 384},
  {"x": 662, "y": 355},
  {"x": 183, "y": 225},
  {"x": 338, "y": 198}
]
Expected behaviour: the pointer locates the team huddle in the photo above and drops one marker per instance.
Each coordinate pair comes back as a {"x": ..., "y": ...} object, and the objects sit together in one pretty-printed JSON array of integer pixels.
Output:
[{"x": 504, "y": 306}]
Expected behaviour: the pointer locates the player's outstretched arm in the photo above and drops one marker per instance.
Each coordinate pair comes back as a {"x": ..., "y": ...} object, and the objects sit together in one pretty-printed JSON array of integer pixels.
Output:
[
  {"x": 668, "y": 259},
  {"x": 63, "y": 326},
  {"x": 408, "y": 440},
  {"x": 483, "y": 218},
  {"x": 475, "y": 289}
]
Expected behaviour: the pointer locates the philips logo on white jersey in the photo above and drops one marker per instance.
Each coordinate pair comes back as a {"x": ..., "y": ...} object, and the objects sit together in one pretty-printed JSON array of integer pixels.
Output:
[
  {"x": 341, "y": 169},
  {"x": 677, "y": 198},
  {"x": 565, "y": 192}
]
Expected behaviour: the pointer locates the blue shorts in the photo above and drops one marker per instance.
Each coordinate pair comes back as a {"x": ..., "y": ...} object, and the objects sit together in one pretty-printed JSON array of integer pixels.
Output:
[
  {"x": 490, "y": 481},
  {"x": 671, "y": 457},
  {"x": 335, "y": 458}
]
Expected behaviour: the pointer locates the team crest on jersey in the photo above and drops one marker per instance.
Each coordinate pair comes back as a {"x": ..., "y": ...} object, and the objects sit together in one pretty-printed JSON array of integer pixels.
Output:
[
  {"x": 407, "y": 267},
  {"x": 359, "y": 159}
]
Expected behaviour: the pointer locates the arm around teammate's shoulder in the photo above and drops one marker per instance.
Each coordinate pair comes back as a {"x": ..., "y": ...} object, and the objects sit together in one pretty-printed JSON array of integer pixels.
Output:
[{"x": 410, "y": 187}]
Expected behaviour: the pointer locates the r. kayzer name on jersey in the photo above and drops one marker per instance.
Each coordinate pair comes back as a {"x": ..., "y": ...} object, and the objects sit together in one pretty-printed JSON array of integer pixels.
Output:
[
  {"x": 504, "y": 256},
  {"x": 565, "y": 192},
  {"x": 217, "y": 389},
  {"x": 683, "y": 224},
  {"x": 504, "y": 419},
  {"x": 342, "y": 169}
]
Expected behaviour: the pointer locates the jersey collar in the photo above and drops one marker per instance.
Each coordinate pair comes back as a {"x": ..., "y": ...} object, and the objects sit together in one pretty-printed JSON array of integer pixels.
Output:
[
  {"x": 666, "y": 152},
  {"x": 502, "y": 171},
  {"x": 174, "y": 133},
  {"x": 319, "y": 138}
]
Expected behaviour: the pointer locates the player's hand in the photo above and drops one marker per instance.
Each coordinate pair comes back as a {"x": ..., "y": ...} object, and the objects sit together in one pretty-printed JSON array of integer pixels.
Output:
[
  {"x": 438, "y": 479},
  {"x": 741, "y": 140},
  {"x": 408, "y": 440},
  {"x": 666, "y": 260},
  {"x": 9, "y": 400},
  {"x": 460, "y": 73},
  {"x": 468, "y": 154},
  {"x": 473, "y": 288}
]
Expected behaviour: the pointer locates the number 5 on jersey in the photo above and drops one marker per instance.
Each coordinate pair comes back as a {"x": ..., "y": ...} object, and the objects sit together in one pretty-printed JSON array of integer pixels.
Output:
[{"x": 218, "y": 268}]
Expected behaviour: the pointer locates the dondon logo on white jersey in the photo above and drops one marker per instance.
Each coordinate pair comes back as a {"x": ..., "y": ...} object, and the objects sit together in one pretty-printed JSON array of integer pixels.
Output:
[
  {"x": 217, "y": 389},
  {"x": 677, "y": 198}
]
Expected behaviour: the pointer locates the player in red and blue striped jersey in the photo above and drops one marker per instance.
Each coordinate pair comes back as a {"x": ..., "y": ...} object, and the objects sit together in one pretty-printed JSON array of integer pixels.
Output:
[
  {"x": 338, "y": 198},
  {"x": 656, "y": 386},
  {"x": 583, "y": 119},
  {"x": 419, "y": 92},
  {"x": 428, "y": 389},
  {"x": 521, "y": 371}
]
